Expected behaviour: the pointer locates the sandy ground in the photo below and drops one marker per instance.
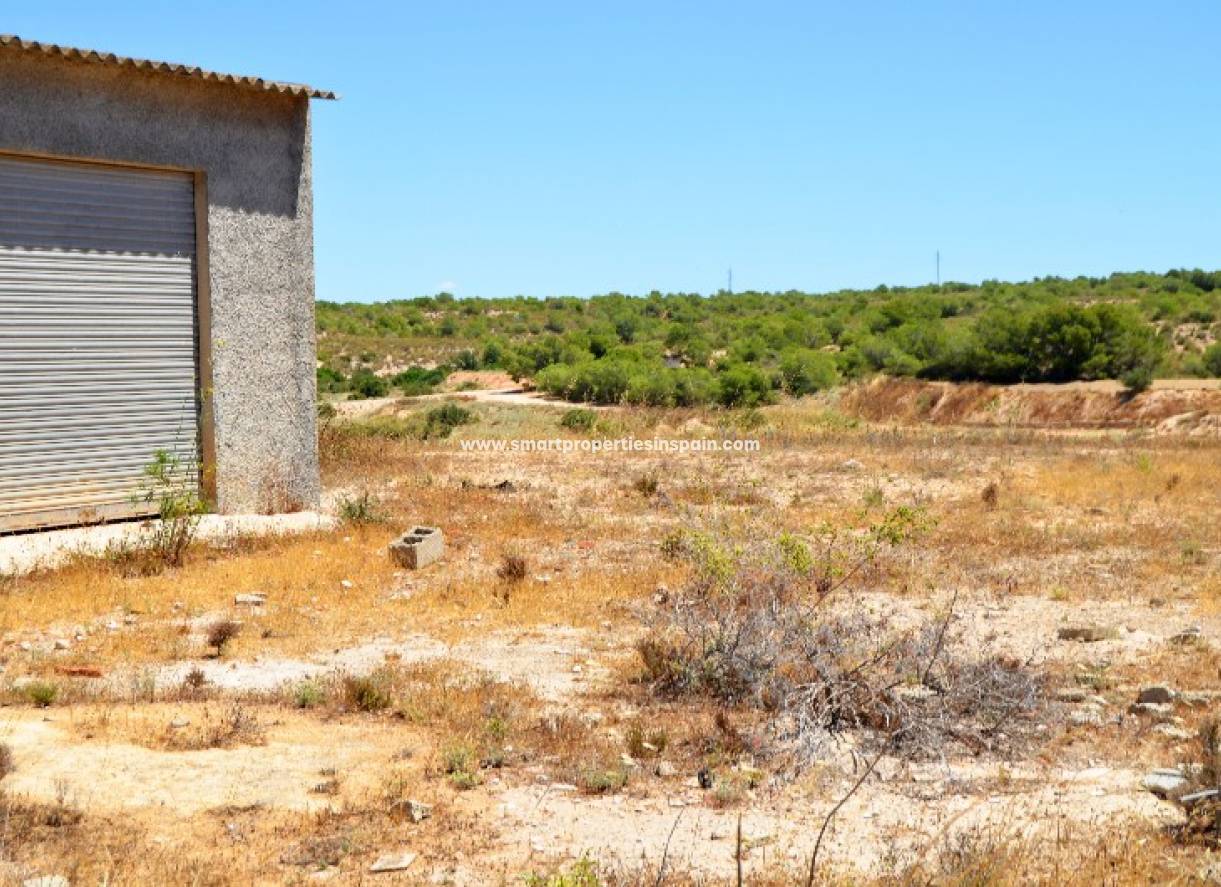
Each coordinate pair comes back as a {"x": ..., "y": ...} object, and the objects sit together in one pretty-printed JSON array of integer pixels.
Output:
[
  {"x": 510, "y": 396},
  {"x": 902, "y": 807},
  {"x": 1113, "y": 531}
]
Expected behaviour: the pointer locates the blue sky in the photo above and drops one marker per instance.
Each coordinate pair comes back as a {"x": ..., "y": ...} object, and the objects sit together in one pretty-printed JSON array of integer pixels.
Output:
[{"x": 577, "y": 148}]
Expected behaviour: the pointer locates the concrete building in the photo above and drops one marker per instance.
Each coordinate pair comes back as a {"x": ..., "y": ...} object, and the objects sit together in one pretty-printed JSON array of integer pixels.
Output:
[{"x": 156, "y": 285}]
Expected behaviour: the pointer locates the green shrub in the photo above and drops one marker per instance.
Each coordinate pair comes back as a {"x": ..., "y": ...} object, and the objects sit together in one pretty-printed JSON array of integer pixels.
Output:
[
  {"x": 582, "y": 873},
  {"x": 170, "y": 483},
  {"x": 603, "y": 780},
  {"x": 365, "y": 384},
  {"x": 803, "y": 371},
  {"x": 493, "y": 354},
  {"x": 652, "y": 389},
  {"x": 1212, "y": 359},
  {"x": 461, "y": 765},
  {"x": 361, "y": 509},
  {"x": 579, "y": 420},
  {"x": 330, "y": 381},
  {"x": 417, "y": 380},
  {"x": 440, "y": 421},
  {"x": 694, "y": 387},
  {"x": 41, "y": 693},
  {"x": 743, "y": 385},
  {"x": 309, "y": 694}
]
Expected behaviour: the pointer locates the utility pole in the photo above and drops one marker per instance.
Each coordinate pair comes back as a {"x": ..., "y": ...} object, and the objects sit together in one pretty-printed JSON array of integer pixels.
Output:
[
  {"x": 938, "y": 269},
  {"x": 731, "y": 281}
]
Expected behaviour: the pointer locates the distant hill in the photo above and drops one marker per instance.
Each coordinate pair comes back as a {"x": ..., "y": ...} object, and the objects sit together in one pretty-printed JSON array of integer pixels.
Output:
[{"x": 743, "y": 348}]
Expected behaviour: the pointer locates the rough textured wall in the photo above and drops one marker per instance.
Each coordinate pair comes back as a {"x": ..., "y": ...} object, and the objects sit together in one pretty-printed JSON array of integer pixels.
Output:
[{"x": 255, "y": 150}]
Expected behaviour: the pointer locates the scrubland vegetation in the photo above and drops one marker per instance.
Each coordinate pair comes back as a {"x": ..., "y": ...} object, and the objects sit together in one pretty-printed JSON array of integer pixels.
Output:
[
  {"x": 873, "y": 652},
  {"x": 743, "y": 349}
]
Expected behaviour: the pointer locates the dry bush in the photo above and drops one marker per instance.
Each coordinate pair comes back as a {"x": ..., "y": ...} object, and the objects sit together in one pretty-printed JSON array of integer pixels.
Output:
[
  {"x": 1203, "y": 824},
  {"x": 7, "y": 765},
  {"x": 512, "y": 569},
  {"x": 221, "y": 632},
  {"x": 991, "y": 495},
  {"x": 369, "y": 693},
  {"x": 194, "y": 685},
  {"x": 762, "y": 625},
  {"x": 647, "y": 484},
  {"x": 234, "y": 725}
]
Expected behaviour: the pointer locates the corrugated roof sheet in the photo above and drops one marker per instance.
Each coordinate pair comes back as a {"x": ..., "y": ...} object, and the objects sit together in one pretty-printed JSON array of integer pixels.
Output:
[{"x": 12, "y": 41}]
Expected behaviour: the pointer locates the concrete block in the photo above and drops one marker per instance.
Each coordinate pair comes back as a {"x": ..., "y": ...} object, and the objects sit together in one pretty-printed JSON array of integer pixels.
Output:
[{"x": 418, "y": 548}]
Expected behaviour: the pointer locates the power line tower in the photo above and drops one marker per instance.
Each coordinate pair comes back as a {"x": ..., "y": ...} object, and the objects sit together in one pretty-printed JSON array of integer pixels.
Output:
[
  {"x": 730, "y": 287},
  {"x": 939, "y": 268}
]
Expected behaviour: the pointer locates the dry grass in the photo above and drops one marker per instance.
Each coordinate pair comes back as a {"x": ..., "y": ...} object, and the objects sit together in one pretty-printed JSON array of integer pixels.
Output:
[{"x": 1033, "y": 530}]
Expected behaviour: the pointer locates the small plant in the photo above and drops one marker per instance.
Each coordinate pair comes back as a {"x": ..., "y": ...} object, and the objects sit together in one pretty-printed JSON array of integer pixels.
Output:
[
  {"x": 362, "y": 509},
  {"x": 309, "y": 694},
  {"x": 642, "y": 744},
  {"x": 647, "y": 484},
  {"x": 582, "y": 873},
  {"x": 991, "y": 495},
  {"x": 41, "y": 693},
  {"x": 194, "y": 681},
  {"x": 1191, "y": 553},
  {"x": 440, "y": 421},
  {"x": 603, "y": 780},
  {"x": 237, "y": 726},
  {"x": 171, "y": 484},
  {"x": 369, "y": 693},
  {"x": 729, "y": 791},
  {"x": 674, "y": 544},
  {"x": 6, "y": 760},
  {"x": 512, "y": 569},
  {"x": 221, "y": 633},
  {"x": 579, "y": 420},
  {"x": 461, "y": 765}
]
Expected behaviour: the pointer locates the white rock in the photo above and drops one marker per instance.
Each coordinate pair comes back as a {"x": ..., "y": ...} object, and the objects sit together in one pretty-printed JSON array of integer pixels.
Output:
[
  {"x": 1179, "y": 733},
  {"x": 1085, "y": 716},
  {"x": 346, "y": 583},
  {"x": 393, "y": 862},
  {"x": 1165, "y": 781},
  {"x": 418, "y": 811}
]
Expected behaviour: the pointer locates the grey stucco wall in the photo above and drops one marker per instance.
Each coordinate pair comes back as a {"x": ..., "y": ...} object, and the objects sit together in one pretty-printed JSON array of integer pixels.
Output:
[{"x": 255, "y": 149}]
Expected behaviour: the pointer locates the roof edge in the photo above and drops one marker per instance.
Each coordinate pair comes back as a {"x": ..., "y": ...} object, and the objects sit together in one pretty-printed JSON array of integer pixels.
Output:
[{"x": 12, "y": 41}]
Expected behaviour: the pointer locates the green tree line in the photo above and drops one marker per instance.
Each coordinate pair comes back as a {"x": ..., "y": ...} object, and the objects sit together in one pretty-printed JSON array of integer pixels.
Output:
[{"x": 744, "y": 348}]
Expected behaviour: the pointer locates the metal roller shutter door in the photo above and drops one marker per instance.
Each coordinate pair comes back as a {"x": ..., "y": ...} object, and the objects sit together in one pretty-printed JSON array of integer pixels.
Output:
[{"x": 98, "y": 365}]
